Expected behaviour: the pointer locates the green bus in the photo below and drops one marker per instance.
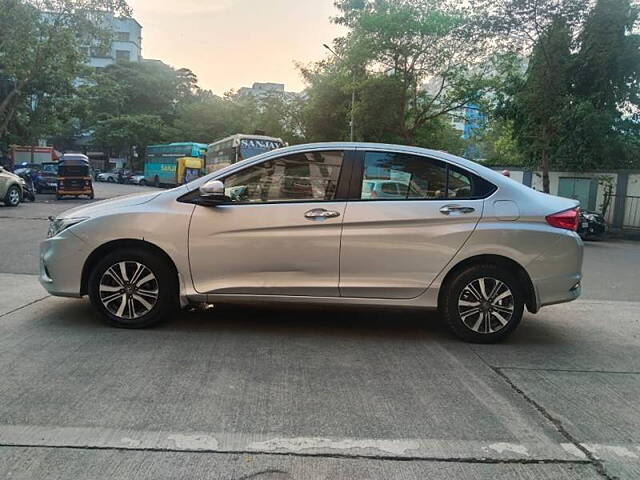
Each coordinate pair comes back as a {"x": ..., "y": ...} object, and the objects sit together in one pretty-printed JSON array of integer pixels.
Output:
[{"x": 161, "y": 161}]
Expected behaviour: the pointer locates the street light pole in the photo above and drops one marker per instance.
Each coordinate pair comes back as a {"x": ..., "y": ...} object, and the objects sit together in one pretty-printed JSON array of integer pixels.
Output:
[{"x": 353, "y": 91}]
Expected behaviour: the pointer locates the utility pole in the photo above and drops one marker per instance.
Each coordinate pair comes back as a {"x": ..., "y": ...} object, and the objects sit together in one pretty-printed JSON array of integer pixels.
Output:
[{"x": 353, "y": 91}]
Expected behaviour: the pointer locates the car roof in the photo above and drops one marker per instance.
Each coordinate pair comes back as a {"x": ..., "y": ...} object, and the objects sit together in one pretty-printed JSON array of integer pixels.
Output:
[
  {"x": 435, "y": 154},
  {"x": 474, "y": 167}
]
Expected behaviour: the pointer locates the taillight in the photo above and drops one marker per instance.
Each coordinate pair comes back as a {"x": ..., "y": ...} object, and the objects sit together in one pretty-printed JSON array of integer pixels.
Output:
[{"x": 567, "y": 219}]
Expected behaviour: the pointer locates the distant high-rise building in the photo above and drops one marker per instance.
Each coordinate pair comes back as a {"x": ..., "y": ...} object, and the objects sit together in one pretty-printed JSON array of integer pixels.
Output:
[
  {"x": 261, "y": 89},
  {"x": 126, "y": 45}
]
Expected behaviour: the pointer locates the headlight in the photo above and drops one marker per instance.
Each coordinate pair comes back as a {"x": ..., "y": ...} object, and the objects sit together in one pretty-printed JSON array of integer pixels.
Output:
[{"x": 57, "y": 225}]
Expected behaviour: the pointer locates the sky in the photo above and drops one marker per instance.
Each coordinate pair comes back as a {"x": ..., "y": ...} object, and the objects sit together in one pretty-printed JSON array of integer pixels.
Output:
[{"x": 232, "y": 43}]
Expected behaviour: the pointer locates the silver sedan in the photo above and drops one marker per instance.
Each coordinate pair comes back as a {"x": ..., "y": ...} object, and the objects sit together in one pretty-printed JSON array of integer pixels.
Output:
[{"x": 331, "y": 223}]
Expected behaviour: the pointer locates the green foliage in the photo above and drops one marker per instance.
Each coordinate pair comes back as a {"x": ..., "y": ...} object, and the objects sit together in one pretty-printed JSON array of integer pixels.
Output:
[
  {"x": 607, "y": 67},
  {"x": 497, "y": 144},
  {"x": 438, "y": 134},
  {"x": 121, "y": 133},
  {"x": 422, "y": 56},
  {"x": 125, "y": 95},
  {"x": 41, "y": 45},
  {"x": 138, "y": 88},
  {"x": 328, "y": 103},
  {"x": 602, "y": 122},
  {"x": 538, "y": 107},
  {"x": 278, "y": 115},
  {"x": 577, "y": 108}
]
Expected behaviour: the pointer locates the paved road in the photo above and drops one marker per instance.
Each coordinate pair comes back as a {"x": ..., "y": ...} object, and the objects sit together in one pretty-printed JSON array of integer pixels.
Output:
[{"x": 239, "y": 393}]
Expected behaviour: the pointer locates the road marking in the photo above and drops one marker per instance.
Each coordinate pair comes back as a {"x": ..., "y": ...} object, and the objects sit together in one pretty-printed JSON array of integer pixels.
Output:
[
  {"x": 419, "y": 449},
  {"x": 509, "y": 447}
]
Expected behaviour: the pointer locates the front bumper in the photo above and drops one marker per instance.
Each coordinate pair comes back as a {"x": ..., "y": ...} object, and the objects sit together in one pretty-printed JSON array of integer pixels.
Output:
[{"x": 61, "y": 261}]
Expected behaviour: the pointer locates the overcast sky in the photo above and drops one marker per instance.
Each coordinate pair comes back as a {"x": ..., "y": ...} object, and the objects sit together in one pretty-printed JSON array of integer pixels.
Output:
[{"x": 233, "y": 43}]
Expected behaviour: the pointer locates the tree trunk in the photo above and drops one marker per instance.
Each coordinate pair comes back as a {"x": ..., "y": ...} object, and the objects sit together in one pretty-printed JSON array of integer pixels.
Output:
[
  {"x": 8, "y": 105},
  {"x": 545, "y": 170},
  {"x": 7, "y": 108}
]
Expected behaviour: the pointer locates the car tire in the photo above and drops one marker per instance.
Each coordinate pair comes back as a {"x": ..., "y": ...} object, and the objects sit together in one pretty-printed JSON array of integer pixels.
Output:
[
  {"x": 110, "y": 180},
  {"x": 13, "y": 196},
  {"x": 127, "y": 304},
  {"x": 477, "y": 313},
  {"x": 143, "y": 183}
]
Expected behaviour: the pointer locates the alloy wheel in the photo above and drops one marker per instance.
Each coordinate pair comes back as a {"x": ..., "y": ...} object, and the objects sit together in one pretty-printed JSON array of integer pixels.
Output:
[
  {"x": 486, "y": 305},
  {"x": 128, "y": 290},
  {"x": 14, "y": 196}
]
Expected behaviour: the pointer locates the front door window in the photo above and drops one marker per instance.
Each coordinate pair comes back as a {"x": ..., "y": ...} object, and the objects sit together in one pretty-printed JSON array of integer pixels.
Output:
[{"x": 300, "y": 177}]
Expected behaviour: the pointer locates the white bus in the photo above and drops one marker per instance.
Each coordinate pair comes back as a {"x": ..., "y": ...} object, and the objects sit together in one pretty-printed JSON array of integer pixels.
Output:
[{"x": 238, "y": 147}]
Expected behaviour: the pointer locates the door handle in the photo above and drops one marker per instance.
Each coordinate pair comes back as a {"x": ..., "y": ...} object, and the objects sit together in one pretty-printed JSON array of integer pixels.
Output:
[
  {"x": 320, "y": 213},
  {"x": 453, "y": 209}
]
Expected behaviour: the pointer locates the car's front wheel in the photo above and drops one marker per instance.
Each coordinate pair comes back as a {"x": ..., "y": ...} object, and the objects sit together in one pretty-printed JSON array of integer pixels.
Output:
[
  {"x": 483, "y": 303},
  {"x": 13, "y": 196},
  {"x": 134, "y": 288}
]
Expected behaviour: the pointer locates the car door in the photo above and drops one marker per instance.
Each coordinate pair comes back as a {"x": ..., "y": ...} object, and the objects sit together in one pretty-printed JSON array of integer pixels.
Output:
[
  {"x": 395, "y": 247},
  {"x": 4, "y": 182},
  {"x": 280, "y": 232}
]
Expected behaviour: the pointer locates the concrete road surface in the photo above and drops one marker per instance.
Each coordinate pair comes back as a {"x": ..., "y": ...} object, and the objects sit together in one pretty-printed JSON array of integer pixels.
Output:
[{"x": 273, "y": 394}]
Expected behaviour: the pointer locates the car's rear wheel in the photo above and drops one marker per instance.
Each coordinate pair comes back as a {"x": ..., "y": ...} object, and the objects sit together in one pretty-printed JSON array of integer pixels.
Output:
[
  {"x": 134, "y": 288},
  {"x": 12, "y": 197},
  {"x": 483, "y": 303}
]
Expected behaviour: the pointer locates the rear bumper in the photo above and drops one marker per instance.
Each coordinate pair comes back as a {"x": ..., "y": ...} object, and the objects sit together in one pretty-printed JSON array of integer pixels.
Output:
[
  {"x": 557, "y": 273},
  {"x": 553, "y": 290},
  {"x": 84, "y": 191}
]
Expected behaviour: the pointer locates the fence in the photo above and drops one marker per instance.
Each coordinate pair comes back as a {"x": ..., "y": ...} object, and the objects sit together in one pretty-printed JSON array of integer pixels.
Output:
[{"x": 623, "y": 212}]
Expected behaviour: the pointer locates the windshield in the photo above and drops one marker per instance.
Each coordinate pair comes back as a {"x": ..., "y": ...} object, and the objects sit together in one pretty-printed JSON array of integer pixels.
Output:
[{"x": 50, "y": 168}]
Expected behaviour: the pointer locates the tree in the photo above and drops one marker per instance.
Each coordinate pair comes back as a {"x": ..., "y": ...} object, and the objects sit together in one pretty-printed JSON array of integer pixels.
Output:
[
  {"x": 149, "y": 87},
  {"x": 122, "y": 133},
  {"x": 42, "y": 42},
  {"x": 607, "y": 67},
  {"x": 602, "y": 123},
  {"x": 497, "y": 144},
  {"x": 538, "y": 106},
  {"x": 424, "y": 53},
  {"x": 328, "y": 102}
]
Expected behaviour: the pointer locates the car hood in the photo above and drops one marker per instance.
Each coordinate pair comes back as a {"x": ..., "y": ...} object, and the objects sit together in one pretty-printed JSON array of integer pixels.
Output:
[
  {"x": 106, "y": 206},
  {"x": 10, "y": 175}
]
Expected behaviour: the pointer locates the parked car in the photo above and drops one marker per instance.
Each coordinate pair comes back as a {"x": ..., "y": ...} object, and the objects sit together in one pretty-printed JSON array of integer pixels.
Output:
[
  {"x": 480, "y": 257},
  {"x": 11, "y": 188},
  {"x": 44, "y": 176},
  {"x": 137, "y": 179},
  {"x": 111, "y": 177},
  {"x": 591, "y": 225}
]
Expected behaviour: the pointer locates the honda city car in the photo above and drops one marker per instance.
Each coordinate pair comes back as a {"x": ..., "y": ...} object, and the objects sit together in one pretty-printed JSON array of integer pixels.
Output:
[{"x": 300, "y": 225}]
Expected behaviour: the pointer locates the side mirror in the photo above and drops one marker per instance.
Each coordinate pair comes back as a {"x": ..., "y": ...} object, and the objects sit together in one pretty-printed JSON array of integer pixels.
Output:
[{"x": 212, "y": 193}]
